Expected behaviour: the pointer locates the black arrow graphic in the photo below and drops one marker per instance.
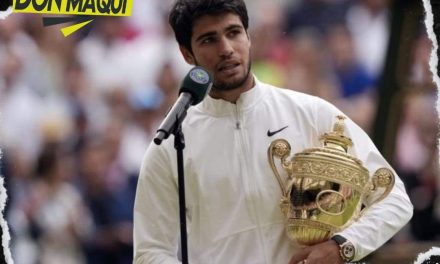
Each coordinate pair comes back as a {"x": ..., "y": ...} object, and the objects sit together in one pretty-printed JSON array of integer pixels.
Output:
[{"x": 50, "y": 21}]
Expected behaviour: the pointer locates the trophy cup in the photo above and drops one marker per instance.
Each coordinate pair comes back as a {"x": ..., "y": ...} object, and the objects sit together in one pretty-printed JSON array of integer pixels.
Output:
[{"x": 324, "y": 190}]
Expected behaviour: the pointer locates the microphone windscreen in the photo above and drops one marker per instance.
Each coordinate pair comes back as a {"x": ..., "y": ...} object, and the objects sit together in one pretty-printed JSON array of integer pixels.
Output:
[{"x": 197, "y": 82}]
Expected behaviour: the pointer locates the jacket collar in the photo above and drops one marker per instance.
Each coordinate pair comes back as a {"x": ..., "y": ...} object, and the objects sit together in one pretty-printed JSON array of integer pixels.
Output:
[{"x": 220, "y": 107}]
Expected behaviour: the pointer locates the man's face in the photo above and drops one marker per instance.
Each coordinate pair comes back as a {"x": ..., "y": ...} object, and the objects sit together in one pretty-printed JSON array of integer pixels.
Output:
[{"x": 221, "y": 45}]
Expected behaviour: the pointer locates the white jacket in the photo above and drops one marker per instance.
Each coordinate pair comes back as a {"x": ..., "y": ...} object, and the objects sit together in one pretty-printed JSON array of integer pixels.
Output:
[{"x": 231, "y": 193}]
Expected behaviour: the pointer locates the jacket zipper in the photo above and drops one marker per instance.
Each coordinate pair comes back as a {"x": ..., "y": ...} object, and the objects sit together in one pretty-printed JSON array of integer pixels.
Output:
[
  {"x": 237, "y": 118},
  {"x": 252, "y": 188}
]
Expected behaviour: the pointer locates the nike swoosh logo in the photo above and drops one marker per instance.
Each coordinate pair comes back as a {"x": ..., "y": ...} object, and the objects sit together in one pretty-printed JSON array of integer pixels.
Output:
[{"x": 269, "y": 133}]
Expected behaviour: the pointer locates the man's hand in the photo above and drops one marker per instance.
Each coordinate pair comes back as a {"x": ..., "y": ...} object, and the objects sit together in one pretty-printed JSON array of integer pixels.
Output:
[{"x": 322, "y": 253}]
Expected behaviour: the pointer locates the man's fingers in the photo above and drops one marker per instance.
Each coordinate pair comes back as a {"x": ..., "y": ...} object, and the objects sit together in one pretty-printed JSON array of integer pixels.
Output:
[{"x": 300, "y": 256}]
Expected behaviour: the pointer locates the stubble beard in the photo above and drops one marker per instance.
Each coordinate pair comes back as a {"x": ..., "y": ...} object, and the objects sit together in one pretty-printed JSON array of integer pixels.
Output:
[{"x": 228, "y": 86}]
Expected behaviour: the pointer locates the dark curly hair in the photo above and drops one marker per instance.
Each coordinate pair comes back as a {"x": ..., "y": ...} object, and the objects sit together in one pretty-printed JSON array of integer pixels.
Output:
[
  {"x": 4, "y": 4},
  {"x": 185, "y": 12}
]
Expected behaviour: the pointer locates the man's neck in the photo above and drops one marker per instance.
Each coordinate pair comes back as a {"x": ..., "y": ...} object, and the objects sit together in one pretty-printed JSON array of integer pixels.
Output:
[{"x": 233, "y": 95}]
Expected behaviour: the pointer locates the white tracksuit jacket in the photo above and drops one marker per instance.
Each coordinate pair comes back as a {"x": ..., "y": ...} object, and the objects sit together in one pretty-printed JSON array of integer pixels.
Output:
[{"x": 231, "y": 193}]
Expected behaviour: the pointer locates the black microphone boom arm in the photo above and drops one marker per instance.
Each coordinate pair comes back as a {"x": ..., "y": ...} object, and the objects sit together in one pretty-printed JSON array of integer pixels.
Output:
[{"x": 174, "y": 117}]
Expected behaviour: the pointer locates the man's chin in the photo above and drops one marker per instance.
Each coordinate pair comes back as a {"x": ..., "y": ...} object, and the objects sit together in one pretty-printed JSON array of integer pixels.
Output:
[
  {"x": 223, "y": 86},
  {"x": 231, "y": 84}
]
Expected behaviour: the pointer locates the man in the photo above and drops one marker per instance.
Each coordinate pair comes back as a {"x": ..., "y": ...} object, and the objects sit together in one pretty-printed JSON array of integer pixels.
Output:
[{"x": 231, "y": 193}]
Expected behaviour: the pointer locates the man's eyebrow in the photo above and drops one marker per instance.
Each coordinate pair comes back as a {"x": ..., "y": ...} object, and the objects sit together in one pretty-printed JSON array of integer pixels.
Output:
[
  {"x": 234, "y": 26},
  {"x": 213, "y": 33}
]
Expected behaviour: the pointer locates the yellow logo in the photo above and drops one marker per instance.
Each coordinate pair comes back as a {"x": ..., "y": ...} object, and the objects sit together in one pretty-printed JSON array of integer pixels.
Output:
[{"x": 82, "y": 8}]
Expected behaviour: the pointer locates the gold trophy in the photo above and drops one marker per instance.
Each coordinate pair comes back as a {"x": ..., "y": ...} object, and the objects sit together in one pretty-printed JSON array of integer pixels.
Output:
[{"x": 323, "y": 189}]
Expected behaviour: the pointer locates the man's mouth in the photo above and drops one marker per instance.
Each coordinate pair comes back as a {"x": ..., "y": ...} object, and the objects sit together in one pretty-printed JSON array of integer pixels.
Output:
[{"x": 228, "y": 67}]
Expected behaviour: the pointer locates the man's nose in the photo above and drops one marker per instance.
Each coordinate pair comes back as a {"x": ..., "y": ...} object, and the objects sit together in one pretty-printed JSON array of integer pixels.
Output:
[{"x": 225, "y": 48}]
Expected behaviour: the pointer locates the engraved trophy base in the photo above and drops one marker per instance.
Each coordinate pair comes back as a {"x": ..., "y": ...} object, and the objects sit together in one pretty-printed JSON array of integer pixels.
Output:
[{"x": 307, "y": 232}]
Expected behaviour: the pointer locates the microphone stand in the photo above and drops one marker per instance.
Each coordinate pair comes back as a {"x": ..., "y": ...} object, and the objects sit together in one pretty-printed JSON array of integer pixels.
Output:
[
  {"x": 179, "y": 145},
  {"x": 195, "y": 86}
]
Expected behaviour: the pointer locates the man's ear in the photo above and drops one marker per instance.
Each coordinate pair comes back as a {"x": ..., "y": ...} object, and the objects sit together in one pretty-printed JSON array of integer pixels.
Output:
[{"x": 187, "y": 55}]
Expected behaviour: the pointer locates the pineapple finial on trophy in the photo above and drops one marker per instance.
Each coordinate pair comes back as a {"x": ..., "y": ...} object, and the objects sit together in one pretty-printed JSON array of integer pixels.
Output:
[{"x": 336, "y": 139}]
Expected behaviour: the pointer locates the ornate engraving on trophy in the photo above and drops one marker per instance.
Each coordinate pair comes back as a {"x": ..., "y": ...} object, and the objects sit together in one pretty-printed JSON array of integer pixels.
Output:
[{"x": 323, "y": 188}]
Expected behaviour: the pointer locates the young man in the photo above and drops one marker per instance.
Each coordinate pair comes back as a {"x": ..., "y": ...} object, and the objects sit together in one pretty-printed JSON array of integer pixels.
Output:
[{"x": 232, "y": 195}]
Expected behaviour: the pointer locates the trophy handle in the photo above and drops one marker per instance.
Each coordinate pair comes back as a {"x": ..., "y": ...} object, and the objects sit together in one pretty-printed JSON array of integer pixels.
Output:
[
  {"x": 382, "y": 178},
  {"x": 279, "y": 148}
]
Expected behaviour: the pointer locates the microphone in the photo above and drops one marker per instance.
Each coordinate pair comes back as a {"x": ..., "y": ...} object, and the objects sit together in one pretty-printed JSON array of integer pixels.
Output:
[{"x": 194, "y": 88}]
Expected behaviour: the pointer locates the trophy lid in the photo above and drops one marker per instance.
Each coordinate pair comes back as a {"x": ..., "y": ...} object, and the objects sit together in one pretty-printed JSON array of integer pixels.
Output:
[
  {"x": 336, "y": 139},
  {"x": 332, "y": 161}
]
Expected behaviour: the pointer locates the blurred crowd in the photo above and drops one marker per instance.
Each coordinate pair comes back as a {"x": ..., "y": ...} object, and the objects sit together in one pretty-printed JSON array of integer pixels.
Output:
[{"x": 78, "y": 112}]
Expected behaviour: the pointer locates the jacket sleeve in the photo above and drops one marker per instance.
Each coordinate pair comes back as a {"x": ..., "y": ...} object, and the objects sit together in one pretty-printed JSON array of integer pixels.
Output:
[
  {"x": 383, "y": 219},
  {"x": 156, "y": 219}
]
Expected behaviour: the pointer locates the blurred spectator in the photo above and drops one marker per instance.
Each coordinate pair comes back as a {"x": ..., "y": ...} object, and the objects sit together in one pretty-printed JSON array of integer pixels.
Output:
[
  {"x": 256, "y": 9},
  {"x": 269, "y": 46},
  {"x": 110, "y": 241},
  {"x": 420, "y": 74},
  {"x": 138, "y": 134},
  {"x": 417, "y": 162},
  {"x": 14, "y": 39},
  {"x": 88, "y": 108},
  {"x": 51, "y": 220},
  {"x": 112, "y": 57},
  {"x": 149, "y": 106},
  {"x": 352, "y": 76},
  {"x": 356, "y": 86},
  {"x": 319, "y": 14},
  {"x": 416, "y": 138},
  {"x": 309, "y": 71},
  {"x": 369, "y": 24},
  {"x": 173, "y": 58},
  {"x": 20, "y": 108},
  {"x": 54, "y": 51},
  {"x": 19, "y": 183},
  {"x": 146, "y": 18},
  {"x": 117, "y": 101}
]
